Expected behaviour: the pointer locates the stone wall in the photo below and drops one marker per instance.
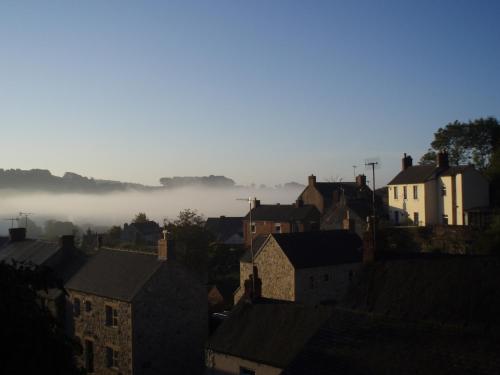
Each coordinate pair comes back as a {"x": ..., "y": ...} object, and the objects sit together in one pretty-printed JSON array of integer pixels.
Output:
[
  {"x": 170, "y": 323},
  {"x": 92, "y": 326},
  {"x": 313, "y": 285}
]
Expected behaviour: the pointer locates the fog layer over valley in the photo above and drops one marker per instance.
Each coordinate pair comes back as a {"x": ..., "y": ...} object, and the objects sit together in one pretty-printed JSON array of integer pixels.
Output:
[{"x": 120, "y": 207}]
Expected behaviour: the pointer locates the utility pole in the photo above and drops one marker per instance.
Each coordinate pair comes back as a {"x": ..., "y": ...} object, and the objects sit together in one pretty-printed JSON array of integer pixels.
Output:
[
  {"x": 354, "y": 171},
  {"x": 251, "y": 201},
  {"x": 25, "y": 214},
  {"x": 373, "y": 164}
]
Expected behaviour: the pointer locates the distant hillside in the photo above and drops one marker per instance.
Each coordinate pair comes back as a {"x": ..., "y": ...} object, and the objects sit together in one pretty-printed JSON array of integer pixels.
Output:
[
  {"x": 205, "y": 181},
  {"x": 43, "y": 180}
]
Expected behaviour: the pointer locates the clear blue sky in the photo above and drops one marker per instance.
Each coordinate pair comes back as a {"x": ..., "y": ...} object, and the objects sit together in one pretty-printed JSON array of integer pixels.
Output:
[{"x": 261, "y": 91}]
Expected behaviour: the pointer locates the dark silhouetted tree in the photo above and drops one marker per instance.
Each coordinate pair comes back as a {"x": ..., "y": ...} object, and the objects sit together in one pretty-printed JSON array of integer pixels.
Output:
[
  {"x": 140, "y": 218},
  {"x": 33, "y": 341}
]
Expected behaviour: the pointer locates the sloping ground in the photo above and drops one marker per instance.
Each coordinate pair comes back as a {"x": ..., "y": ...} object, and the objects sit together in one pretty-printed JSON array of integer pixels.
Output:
[
  {"x": 418, "y": 316},
  {"x": 461, "y": 291},
  {"x": 361, "y": 343}
]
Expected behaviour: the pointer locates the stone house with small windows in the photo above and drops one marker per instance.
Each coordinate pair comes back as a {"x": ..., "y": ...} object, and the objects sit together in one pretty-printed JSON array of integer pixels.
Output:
[
  {"x": 138, "y": 313},
  {"x": 305, "y": 267},
  {"x": 437, "y": 194},
  {"x": 342, "y": 204},
  {"x": 279, "y": 218}
]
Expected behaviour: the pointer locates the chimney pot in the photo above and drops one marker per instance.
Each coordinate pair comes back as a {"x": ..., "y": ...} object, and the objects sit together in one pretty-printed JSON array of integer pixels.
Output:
[
  {"x": 361, "y": 180},
  {"x": 407, "y": 162},
  {"x": 312, "y": 180},
  {"x": 17, "y": 234},
  {"x": 442, "y": 160}
]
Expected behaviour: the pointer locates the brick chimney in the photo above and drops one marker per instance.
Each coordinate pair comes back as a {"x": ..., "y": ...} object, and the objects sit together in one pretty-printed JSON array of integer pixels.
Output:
[
  {"x": 361, "y": 180},
  {"x": 251, "y": 294},
  {"x": 407, "y": 162},
  {"x": 255, "y": 203},
  {"x": 442, "y": 160},
  {"x": 165, "y": 247},
  {"x": 312, "y": 180},
  {"x": 67, "y": 241},
  {"x": 17, "y": 234}
]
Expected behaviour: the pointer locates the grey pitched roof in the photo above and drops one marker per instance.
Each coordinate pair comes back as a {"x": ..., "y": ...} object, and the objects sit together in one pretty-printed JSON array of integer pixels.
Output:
[
  {"x": 392, "y": 346},
  {"x": 422, "y": 173},
  {"x": 115, "y": 274},
  {"x": 32, "y": 251},
  {"x": 283, "y": 212},
  {"x": 320, "y": 248},
  {"x": 350, "y": 189},
  {"x": 257, "y": 246},
  {"x": 223, "y": 228},
  {"x": 271, "y": 333}
]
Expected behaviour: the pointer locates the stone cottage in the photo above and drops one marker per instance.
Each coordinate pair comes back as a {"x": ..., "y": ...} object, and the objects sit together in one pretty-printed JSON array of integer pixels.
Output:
[
  {"x": 138, "y": 313},
  {"x": 307, "y": 267}
]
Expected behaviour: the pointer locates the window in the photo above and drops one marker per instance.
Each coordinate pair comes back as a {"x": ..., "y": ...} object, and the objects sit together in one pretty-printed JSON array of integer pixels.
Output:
[
  {"x": 396, "y": 217},
  {"x": 277, "y": 228},
  {"x": 111, "y": 316},
  {"x": 76, "y": 307},
  {"x": 252, "y": 227},
  {"x": 405, "y": 192},
  {"x": 311, "y": 282},
  {"x": 88, "y": 306},
  {"x": 415, "y": 192},
  {"x": 395, "y": 192},
  {"x": 246, "y": 371},
  {"x": 89, "y": 355},
  {"x": 415, "y": 218},
  {"x": 445, "y": 219},
  {"x": 111, "y": 357},
  {"x": 443, "y": 190}
]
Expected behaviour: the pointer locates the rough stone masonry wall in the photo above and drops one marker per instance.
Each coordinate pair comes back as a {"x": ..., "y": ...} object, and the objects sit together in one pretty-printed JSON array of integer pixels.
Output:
[
  {"x": 276, "y": 272},
  {"x": 330, "y": 283},
  {"x": 170, "y": 323},
  {"x": 92, "y": 326}
]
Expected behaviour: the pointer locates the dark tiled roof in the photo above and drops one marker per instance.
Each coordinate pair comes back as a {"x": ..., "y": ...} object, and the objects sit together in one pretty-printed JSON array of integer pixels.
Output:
[
  {"x": 115, "y": 274},
  {"x": 414, "y": 175},
  {"x": 283, "y": 212},
  {"x": 350, "y": 189},
  {"x": 32, "y": 251},
  {"x": 223, "y": 228},
  {"x": 422, "y": 173},
  {"x": 361, "y": 343},
  {"x": 320, "y": 248},
  {"x": 3, "y": 241},
  {"x": 257, "y": 245},
  {"x": 270, "y": 333}
]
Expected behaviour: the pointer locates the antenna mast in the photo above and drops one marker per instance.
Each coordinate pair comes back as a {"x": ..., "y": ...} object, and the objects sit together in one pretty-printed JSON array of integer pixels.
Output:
[
  {"x": 11, "y": 219},
  {"x": 25, "y": 214},
  {"x": 251, "y": 201}
]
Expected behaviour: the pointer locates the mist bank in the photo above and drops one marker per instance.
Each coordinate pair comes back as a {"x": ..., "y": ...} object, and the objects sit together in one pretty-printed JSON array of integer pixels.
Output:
[{"x": 120, "y": 207}]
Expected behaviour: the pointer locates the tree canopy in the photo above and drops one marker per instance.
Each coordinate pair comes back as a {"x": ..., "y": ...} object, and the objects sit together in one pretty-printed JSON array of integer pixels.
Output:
[
  {"x": 141, "y": 217},
  {"x": 466, "y": 142},
  {"x": 34, "y": 341}
]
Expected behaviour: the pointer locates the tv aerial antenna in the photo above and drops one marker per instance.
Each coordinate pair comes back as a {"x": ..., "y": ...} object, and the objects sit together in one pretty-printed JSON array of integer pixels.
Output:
[
  {"x": 25, "y": 214},
  {"x": 12, "y": 219},
  {"x": 251, "y": 203}
]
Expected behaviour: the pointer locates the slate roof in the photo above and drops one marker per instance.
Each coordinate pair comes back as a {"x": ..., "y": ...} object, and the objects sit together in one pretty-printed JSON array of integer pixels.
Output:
[
  {"x": 362, "y": 343},
  {"x": 257, "y": 245},
  {"x": 421, "y": 173},
  {"x": 223, "y": 228},
  {"x": 282, "y": 212},
  {"x": 115, "y": 274},
  {"x": 269, "y": 332},
  {"x": 350, "y": 189},
  {"x": 32, "y": 251},
  {"x": 320, "y": 248}
]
